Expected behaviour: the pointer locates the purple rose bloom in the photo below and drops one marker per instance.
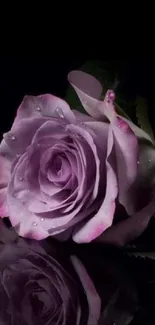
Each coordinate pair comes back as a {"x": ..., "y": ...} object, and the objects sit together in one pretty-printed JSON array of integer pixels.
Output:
[
  {"x": 40, "y": 286},
  {"x": 62, "y": 172}
]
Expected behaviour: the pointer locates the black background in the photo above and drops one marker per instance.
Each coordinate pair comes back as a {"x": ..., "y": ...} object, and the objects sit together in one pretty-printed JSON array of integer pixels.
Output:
[{"x": 20, "y": 76}]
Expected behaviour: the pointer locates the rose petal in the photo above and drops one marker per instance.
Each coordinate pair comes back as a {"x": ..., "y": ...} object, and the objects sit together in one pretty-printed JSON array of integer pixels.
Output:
[
  {"x": 26, "y": 223},
  {"x": 5, "y": 173},
  {"x": 49, "y": 130},
  {"x": 6, "y": 151},
  {"x": 88, "y": 90},
  {"x": 21, "y": 134},
  {"x": 104, "y": 217},
  {"x": 91, "y": 145},
  {"x": 44, "y": 105},
  {"x": 93, "y": 298},
  {"x": 141, "y": 190},
  {"x": 81, "y": 118},
  {"x": 3, "y": 203},
  {"x": 126, "y": 150}
]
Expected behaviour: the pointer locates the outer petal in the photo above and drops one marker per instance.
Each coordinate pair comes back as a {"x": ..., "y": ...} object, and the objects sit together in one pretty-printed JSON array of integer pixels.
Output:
[
  {"x": 5, "y": 169},
  {"x": 3, "y": 203},
  {"x": 126, "y": 150},
  {"x": 5, "y": 172},
  {"x": 6, "y": 151},
  {"x": 26, "y": 223},
  {"x": 44, "y": 105},
  {"x": 81, "y": 118},
  {"x": 103, "y": 219},
  {"x": 93, "y": 298},
  {"x": 21, "y": 134},
  {"x": 140, "y": 192},
  {"x": 88, "y": 90}
]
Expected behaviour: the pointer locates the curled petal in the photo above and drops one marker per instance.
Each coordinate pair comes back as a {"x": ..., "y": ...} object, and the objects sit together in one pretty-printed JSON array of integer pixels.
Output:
[
  {"x": 44, "y": 105},
  {"x": 88, "y": 90},
  {"x": 126, "y": 151}
]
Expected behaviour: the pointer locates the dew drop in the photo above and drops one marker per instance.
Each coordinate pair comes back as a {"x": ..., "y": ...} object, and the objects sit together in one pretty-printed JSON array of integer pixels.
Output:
[
  {"x": 38, "y": 109},
  {"x": 42, "y": 219},
  {"x": 59, "y": 112},
  {"x": 21, "y": 178},
  {"x": 83, "y": 125},
  {"x": 34, "y": 224},
  {"x": 149, "y": 160},
  {"x": 138, "y": 162},
  {"x": 111, "y": 95},
  {"x": 12, "y": 137}
]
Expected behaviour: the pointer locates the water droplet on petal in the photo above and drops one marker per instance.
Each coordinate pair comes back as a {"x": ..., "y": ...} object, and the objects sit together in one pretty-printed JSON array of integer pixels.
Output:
[
  {"x": 122, "y": 124},
  {"x": 59, "y": 112},
  {"x": 42, "y": 219},
  {"x": 111, "y": 95},
  {"x": 83, "y": 125},
  {"x": 76, "y": 135},
  {"x": 21, "y": 178},
  {"x": 38, "y": 109},
  {"x": 149, "y": 160},
  {"x": 138, "y": 162},
  {"x": 34, "y": 224},
  {"x": 12, "y": 137}
]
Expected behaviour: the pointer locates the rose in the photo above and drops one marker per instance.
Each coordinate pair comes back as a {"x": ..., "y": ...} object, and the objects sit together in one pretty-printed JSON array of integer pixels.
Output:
[
  {"x": 40, "y": 286},
  {"x": 62, "y": 172}
]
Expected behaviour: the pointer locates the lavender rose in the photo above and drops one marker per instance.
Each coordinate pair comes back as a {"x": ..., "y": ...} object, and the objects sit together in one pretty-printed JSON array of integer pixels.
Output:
[
  {"x": 62, "y": 172},
  {"x": 39, "y": 286}
]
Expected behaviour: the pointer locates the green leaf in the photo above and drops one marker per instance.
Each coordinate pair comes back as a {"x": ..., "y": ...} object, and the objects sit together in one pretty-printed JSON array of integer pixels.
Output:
[
  {"x": 121, "y": 112},
  {"x": 73, "y": 100},
  {"x": 142, "y": 116},
  {"x": 114, "y": 313},
  {"x": 144, "y": 255}
]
